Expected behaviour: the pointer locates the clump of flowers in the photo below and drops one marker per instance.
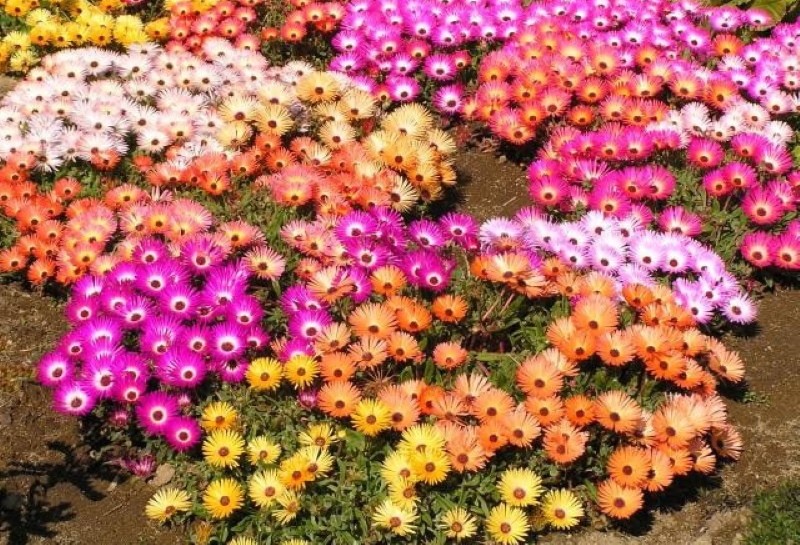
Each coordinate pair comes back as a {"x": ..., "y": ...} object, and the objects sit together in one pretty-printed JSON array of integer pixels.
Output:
[
  {"x": 628, "y": 253},
  {"x": 630, "y": 121},
  {"x": 392, "y": 351},
  {"x": 394, "y": 42},
  {"x": 350, "y": 165},
  {"x": 304, "y": 17},
  {"x": 150, "y": 333},
  {"x": 42, "y": 27}
]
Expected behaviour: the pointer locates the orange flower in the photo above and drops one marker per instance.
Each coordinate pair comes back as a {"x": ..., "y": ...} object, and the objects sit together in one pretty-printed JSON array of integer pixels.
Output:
[
  {"x": 651, "y": 342},
  {"x": 387, "y": 280},
  {"x": 539, "y": 378},
  {"x": 403, "y": 347},
  {"x": 413, "y": 317},
  {"x": 727, "y": 442},
  {"x": 637, "y": 295},
  {"x": 704, "y": 460},
  {"x": 339, "y": 399},
  {"x": 615, "y": 348},
  {"x": 492, "y": 404},
  {"x": 41, "y": 271},
  {"x": 661, "y": 474},
  {"x": 629, "y": 466},
  {"x": 428, "y": 397},
  {"x": 449, "y": 407},
  {"x": 672, "y": 427},
  {"x": 596, "y": 314},
  {"x": 449, "y": 308},
  {"x": 369, "y": 352},
  {"x": 725, "y": 363},
  {"x": 465, "y": 451},
  {"x": 580, "y": 346},
  {"x": 546, "y": 410},
  {"x": 332, "y": 337},
  {"x": 617, "y": 411},
  {"x": 404, "y": 409},
  {"x": 337, "y": 366},
  {"x": 618, "y": 501},
  {"x": 560, "y": 331},
  {"x": 470, "y": 387},
  {"x": 598, "y": 283},
  {"x": 564, "y": 443},
  {"x": 374, "y": 320},
  {"x": 449, "y": 355},
  {"x": 491, "y": 436},
  {"x": 521, "y": 427},
  {"x": 579, "y": 410},
  {"x": 680, "y": 460}
]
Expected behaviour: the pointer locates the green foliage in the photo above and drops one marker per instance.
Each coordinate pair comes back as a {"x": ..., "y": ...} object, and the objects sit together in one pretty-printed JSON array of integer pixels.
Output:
[{"x": 776, "y": 516}]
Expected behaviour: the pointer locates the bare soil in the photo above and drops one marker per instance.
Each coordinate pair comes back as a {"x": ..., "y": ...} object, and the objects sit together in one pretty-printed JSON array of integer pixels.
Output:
[{"x": 490, "y": 186}]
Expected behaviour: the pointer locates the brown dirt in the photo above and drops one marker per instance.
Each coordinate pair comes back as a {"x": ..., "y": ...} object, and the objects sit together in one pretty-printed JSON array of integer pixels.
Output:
[
  {"x": 52, "y": 491},
  {"x": 490, "y": 188}
]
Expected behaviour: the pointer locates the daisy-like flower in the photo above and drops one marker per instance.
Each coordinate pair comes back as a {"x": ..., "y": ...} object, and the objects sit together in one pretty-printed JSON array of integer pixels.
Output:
[
  {"x": 264, "y": 374},
  {"x": 520, "y": 487},
  {"x": 394, "y": 518},
  {"x": 561, "y": 509},
  {"x": 265, "y": 487},
  {"x": 507, "y": 525},
  {"x": 222, "y": 498},
  {"x": 166, "y": 503},
  {"x": 301, "y": 370},
  {"x": 371, "y": 416},
  {"x": 219, "y": 415},
  {"x": 458, "y": 523},
  {"x": 263, "y": 450},
  {"x": 222, "y": 448}
]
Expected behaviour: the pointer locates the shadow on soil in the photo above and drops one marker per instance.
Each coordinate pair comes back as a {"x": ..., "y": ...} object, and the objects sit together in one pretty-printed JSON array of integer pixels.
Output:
[{"x": 31, "y": 514}]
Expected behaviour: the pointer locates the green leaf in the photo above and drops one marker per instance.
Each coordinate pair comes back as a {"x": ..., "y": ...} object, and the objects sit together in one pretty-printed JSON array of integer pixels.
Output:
[{"x": 776, "y": 8}]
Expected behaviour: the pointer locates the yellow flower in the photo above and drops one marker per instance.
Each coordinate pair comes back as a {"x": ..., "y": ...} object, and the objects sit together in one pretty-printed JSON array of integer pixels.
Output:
[
  {"x": 520, "y": 487},
  {"x": 318, "y": 460},
  {"x": 223, "y": 447},
  {"x": 371, "y": 416},
  {"x": 301, "y": 370},
  {"x": 397, "y": 466},
  {"x": 421, "y": 438},
  {"x": 318, "y": 435},
  {"x": 264, "y": 487},
  {"x": 264, "y": 374},
  {"x": 403, "y": 493},
  {"x": 562, "y": 509},
  {"x": 243, "y": 540},
  {"x": 290, "y": 506},
  {"x": 219, "y": 416},
  {"x": 18, "y": 40},
  {"x": 262, "y": 450},
  {"x": 166, "y": 502},
  {"x": 394, "y": 518},
  {"x": 157, "y": 29},
  {"x": 38, "y": 16},
  {"x": 458, "y": 524},
  {"x": 222, "y": 498},
  {"x": 293, "y": 473},
  {"x": 431, "y": 466},
  {"x": 507, "y": 525}
]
